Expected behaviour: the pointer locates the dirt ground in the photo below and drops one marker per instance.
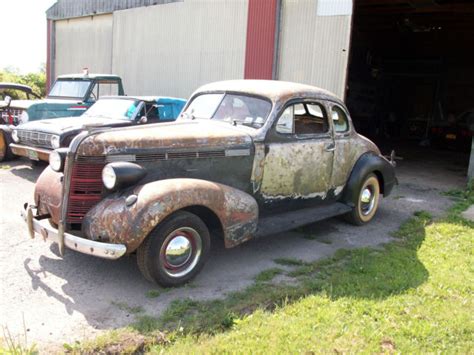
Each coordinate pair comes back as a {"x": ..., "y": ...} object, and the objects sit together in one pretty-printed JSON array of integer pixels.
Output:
[{"x": 51, "y": 300}]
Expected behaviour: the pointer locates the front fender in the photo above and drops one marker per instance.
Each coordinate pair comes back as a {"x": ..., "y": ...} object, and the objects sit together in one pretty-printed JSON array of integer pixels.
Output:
[
  {"x": 366, "y": 164},
  {"x": 113, "y": 221}
]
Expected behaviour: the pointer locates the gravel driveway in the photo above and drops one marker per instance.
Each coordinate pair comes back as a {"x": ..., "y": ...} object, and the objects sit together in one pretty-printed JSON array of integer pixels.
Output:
[{"x": 53, "y": 300}]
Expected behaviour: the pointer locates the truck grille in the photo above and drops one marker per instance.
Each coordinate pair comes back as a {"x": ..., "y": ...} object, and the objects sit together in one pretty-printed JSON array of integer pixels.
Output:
[
  {"x": 85, "y": 189},
  {"x": 36, "y": 139}
]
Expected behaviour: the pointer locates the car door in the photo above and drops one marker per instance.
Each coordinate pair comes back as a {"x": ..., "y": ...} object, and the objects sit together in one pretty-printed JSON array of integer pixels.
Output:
[{"x": 299, "y": 157}]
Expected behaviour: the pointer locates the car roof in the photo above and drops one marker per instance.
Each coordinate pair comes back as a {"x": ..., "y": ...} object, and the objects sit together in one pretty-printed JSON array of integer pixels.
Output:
[
  {"x": 14, "y": 86},
  {"x": 276, "y": 90},
  {"x": 89, "y": 76}
]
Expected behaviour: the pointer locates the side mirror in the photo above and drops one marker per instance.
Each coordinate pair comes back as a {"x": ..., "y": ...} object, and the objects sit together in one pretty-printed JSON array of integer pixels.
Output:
[
  {"x": 142, "y": 120},
  {"x": 7, "y": 100}
]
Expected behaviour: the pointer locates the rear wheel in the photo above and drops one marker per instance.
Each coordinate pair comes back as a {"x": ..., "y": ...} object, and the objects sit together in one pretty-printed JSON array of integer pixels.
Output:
[
  {"x": 367, "y": 201},
  {"x": 175, "y": 251}
]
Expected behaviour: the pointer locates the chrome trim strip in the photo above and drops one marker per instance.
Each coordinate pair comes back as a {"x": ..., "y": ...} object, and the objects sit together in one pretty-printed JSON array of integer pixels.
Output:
[
  {"x": 82, "y": 245},
  {"x": 237, "y": 152}
]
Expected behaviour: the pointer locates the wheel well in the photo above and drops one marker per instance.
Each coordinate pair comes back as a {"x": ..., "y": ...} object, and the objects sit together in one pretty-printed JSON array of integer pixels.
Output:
[
  {"x": 210, "y": 219},
  {"x": 380, "y": 179}
]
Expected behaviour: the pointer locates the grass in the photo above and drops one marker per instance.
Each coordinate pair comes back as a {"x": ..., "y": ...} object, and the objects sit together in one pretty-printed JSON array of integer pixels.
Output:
[
  {"x": 414, "y": 295},
  {"x": 152, "y": 294}
]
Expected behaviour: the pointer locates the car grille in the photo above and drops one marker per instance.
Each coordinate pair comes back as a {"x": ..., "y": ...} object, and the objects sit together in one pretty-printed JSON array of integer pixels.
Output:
[
  {"x": 86, "y": 188},
  {"x": 36, "y": 139}
]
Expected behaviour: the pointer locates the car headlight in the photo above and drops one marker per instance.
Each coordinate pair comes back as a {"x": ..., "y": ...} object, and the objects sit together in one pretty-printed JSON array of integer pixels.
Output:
[
  {"x": 57, "y": 159},
  {"x": 121, "y": 174},
  {"x": 15, "y": 136},
  {"x": 24, "y": 117},
  {"x": 55, "y": 141}
]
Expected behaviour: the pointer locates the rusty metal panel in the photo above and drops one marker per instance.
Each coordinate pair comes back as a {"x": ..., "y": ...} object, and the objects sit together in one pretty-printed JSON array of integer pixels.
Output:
[
  {"x": 84, "y": 42},
  {"x": 260, "y": 39},
  {"x": 313, "y": 49},
  {"x": 65, "y": 9},
  {"x": 180, "y": 46}
]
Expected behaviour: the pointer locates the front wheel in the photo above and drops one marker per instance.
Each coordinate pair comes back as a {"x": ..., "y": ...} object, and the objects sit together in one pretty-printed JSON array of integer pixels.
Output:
[
  {"x": 175, "y": 251},
  {"x": 367, "y": 201}
]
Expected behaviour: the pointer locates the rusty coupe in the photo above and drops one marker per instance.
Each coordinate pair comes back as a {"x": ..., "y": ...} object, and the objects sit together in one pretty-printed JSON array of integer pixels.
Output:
[{"x": 244, "y": 159}]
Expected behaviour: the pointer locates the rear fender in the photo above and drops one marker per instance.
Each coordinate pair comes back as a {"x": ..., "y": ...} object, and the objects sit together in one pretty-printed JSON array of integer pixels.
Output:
[
  {"x": 369, "y": 163},
  {"x": 113, "y": 221}
]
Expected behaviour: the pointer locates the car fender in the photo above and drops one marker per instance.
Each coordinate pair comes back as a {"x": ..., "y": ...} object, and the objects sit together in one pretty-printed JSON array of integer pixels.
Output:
[
  {"x": 369, "y": 163},
  {"x": 113, "y": 221}
]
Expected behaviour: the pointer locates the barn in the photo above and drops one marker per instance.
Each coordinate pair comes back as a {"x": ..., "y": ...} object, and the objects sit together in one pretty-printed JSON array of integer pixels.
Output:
[{"x": 404, "y": 67}]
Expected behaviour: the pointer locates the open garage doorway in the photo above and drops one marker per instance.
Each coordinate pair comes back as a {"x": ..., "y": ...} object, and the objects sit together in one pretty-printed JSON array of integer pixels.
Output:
[{"x": 411, "y": 77}]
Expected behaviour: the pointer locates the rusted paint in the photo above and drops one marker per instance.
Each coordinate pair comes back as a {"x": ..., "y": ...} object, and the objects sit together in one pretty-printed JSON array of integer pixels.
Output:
[
  {"x": 47, "y": 194},
  {"x": 3, "y": 146},
  {"x": 257, "y": 168},
  {"x": 112, "y": 221},
  {"x": 170, "y": 135},
  {"x": 298, "y": 169}
]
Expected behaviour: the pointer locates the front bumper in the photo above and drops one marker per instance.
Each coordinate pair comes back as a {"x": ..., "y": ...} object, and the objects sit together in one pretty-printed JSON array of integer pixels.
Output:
[
  {"x": 32, "y": 153},
  {"x": 82, "y": 245}
]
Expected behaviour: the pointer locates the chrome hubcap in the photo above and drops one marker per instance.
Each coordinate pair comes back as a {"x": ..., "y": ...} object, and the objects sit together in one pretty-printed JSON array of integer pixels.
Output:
[
  {"x": 178, "y": 251},
  {"x": 366, "y": 196},
  {"x": 181, "y": 252},
  {"x": 367, "y": 199}
]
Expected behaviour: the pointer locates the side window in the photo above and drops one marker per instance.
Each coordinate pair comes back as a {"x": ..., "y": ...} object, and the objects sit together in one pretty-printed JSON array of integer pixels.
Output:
[
  {"x": 106, "y": 88},
  {"x": 303, "y": 119},
  {"x": 339, "y": 118}
]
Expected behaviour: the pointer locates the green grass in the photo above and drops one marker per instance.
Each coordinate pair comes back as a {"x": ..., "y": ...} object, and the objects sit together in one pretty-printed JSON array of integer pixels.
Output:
[
  {"x": 414, "y": 295},
  {"x": 152, "y": 294}
]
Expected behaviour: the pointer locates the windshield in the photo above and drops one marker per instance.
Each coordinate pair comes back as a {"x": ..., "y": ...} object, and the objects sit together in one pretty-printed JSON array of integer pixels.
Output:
[
  {"x": 237, "y": 109},
  {"x": 114, "y": 109},
  {"x": 71, "y": 88}
]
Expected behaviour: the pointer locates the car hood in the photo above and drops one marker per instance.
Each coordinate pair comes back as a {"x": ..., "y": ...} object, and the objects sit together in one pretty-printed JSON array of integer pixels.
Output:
[
  {"x": 171, "y": 136},
  {"x": 22, "y": 104},
  {"x": 69, "y": 124}
]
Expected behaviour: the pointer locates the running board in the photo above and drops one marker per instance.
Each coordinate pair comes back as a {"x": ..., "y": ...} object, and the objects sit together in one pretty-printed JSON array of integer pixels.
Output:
[{"x": 290, "y": 220}]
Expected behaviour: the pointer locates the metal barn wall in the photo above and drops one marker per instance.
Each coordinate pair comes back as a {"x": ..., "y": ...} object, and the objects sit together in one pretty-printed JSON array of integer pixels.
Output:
[
  {"x": 83, "y": 42},
  {"x": 174, "y": 48},
  {"x": 314, "y": 45}
]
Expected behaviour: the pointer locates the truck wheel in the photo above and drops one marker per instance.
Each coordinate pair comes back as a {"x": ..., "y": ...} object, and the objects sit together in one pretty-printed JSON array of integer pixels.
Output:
[
  {"x": 175, "y": 251},
  {"x": 5, "y": 151},
  {"x": 367, "y": 201}
]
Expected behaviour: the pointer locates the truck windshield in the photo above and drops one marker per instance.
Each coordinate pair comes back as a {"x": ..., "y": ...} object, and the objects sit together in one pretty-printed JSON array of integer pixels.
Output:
[
  {"x": 70, "y": 88},
  {"x": 114, "y": 109},
  {"x": 237, "y": 109}
]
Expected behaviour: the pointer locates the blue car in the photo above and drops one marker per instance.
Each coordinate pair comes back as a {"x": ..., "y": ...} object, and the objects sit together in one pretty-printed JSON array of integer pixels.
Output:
[{"x": 36, "y": 139}]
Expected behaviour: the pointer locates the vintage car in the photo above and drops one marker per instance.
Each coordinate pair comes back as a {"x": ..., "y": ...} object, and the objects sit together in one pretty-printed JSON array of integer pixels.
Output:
[
  {"x": 71, "y": 95},
  {"x": 456, "y": 134},
  {"x": 9, "y": 114},
  {"x": 35, "y": 140},
  {"x": 246, "y": 158}
]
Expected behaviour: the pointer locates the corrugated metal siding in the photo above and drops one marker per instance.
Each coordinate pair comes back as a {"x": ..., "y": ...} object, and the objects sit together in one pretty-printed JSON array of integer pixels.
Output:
[
  {"x": 313, "y": 49},
  {"x": 172, "y": 49},
  {"x": 64, "y": 9},
  {"x": 260, "y": 39},
  {"x": 84, "y": 42}
]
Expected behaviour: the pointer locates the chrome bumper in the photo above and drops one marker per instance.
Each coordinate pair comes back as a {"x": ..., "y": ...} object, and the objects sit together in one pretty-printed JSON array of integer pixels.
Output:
[
  {"x": 32, "y": 153},
  {"x": 82, "y": 245}
]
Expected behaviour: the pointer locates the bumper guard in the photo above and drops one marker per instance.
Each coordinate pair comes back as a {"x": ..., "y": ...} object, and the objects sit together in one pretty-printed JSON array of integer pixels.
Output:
[{"x": 82, "y": 245}]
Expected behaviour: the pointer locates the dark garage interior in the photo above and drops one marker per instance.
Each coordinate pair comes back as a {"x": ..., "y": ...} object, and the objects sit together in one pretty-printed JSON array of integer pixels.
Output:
[{"x": 411, "y": 77}]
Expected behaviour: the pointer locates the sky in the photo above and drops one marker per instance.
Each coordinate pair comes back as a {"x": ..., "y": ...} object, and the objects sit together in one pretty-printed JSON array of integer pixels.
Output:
[{"x": 23, "y": 34}]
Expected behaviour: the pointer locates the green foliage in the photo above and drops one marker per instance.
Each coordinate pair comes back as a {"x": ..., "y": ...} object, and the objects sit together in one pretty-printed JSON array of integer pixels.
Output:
[{"x": 37, "y": 81}]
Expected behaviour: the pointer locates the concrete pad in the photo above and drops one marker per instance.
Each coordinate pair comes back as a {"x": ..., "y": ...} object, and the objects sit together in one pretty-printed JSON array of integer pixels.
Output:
[{"x": 469, "y": 213}]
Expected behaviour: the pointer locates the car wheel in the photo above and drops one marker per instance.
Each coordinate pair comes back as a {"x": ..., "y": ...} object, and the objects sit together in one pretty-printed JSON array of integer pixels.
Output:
[
  {"x": 367, "y": 201},
  {"x": 175, "y": 251}
]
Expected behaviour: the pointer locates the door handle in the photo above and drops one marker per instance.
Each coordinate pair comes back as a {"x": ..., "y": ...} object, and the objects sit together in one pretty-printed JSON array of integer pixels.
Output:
[{"x": 330, "y": 147}]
